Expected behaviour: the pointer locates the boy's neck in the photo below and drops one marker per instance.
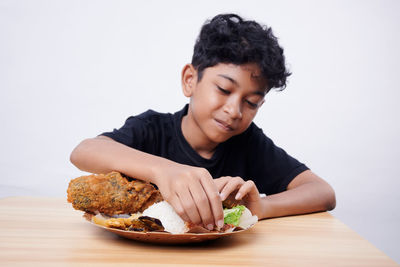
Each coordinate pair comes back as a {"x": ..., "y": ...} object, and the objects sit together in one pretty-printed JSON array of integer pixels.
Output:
[{"x": 196, "y": 138}]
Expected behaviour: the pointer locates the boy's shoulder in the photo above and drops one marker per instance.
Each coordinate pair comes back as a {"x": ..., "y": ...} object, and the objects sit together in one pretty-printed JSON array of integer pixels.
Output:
[
  {"x": 151, "y": 116},
  {"x": 150, "y": 113},
  {"x": 155, "y": 120}
]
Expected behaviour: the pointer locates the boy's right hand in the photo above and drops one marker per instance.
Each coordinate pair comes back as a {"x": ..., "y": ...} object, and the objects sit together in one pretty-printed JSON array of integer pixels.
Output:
[{"x": 192, "y": 193}]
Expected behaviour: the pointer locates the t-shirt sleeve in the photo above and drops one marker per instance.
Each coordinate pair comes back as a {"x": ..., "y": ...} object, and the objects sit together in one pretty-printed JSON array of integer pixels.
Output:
[
  {"x": 273, "y": 168},
  {"x": 138, "y": 132}
]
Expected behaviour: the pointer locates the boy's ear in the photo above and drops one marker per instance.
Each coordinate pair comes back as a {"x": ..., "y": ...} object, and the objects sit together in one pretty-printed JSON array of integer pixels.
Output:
[{"x": 189, "y": 79}]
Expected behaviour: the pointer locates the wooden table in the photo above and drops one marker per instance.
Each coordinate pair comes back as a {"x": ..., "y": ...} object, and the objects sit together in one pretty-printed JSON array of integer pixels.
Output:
[{"x": 48, "y": 232}]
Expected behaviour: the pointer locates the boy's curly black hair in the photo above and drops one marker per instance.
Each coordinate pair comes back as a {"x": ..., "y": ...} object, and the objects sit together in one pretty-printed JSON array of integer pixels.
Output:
[{"x": 227, "y": 38}]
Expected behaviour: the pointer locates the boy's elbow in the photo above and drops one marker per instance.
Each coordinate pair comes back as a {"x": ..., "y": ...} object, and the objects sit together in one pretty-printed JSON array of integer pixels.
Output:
[
  {"x": 77, "y": 155},
  {"x": 330, "y": 203},
  {"x": 74, "y": 157}
]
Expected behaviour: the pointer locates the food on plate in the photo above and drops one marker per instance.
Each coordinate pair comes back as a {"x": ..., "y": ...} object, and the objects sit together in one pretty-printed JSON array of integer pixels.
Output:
[
  {"x": 111, "y": 194},
  {"x": 161, "y": 217},
  {"x": 114, "y": 201},
  {"x": 232, "y": 216},
  {"x": 238, "y": 217},
  {"x": 170, "y": 220},
  {"x": 135, "y": 222}
]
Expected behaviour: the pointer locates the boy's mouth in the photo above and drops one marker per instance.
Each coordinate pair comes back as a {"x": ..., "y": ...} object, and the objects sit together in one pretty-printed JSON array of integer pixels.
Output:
[{"x": 224, "y": 125}]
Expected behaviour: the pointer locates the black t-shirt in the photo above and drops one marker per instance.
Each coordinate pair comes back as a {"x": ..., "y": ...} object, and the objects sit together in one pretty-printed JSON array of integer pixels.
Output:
[{"x": 250, "y": 155}]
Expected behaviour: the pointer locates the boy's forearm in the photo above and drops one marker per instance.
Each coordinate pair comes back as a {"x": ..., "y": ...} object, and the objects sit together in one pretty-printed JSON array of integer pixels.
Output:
[
  {"x": 183, "y": 186},
  {"x": 306, "y": 198},
  {"x": 102, "y": 155}
]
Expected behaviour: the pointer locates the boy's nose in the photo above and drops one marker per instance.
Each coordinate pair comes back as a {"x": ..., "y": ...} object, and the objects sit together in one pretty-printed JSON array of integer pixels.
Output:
[{"x": 233, "y": 108}]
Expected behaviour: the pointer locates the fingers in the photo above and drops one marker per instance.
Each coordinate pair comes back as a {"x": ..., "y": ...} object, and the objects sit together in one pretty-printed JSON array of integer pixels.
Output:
[
  {"x": 198, "y": 198},
  {"x": 177, "y": 205},
  {"x": 203, "y": 206},
  {"x": 215, "y": 214},
  {"x": 189, "y": 205},
  {"x": 178, "y": 195},
  {"x": 202, "y": 202},
  {"x": 193, "y": 204},
  {"x": 193, "y": 194},
  {"x": 221, "y": 182},
  {"x": 231, "y": 185},
  {"x": 248, "y": 189}
]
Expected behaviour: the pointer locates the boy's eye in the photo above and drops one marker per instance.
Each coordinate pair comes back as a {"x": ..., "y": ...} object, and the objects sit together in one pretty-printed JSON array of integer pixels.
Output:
[
  {"x": 224, "y": 91},
  {"x": 251, "y": 104}
]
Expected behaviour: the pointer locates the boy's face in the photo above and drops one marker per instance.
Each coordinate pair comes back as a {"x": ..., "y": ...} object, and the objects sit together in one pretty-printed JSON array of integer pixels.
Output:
[{"x": 224, "y": 102}]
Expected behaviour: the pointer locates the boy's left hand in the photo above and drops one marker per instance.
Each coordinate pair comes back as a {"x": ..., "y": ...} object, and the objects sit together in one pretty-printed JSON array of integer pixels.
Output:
[{"x": 243, "y": 190}]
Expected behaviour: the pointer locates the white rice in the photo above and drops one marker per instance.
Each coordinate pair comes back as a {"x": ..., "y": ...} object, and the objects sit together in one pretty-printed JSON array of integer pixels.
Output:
[{"x": 169, "y": 218}]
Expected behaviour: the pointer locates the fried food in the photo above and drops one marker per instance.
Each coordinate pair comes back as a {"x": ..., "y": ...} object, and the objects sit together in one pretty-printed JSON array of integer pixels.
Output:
[
  {"x": 120, "y": 223},
  {"x": 111, "y": 194},
  {"x": 146, "y": 224},
  {"x": 136, "y": 222}
]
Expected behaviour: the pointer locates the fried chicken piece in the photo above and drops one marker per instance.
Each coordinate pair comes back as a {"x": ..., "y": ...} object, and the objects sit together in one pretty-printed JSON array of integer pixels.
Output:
[
  {"x": 119, "y": 223},
  {"x": 231, "y": 202},
  {"x": 111, "y": 194}
]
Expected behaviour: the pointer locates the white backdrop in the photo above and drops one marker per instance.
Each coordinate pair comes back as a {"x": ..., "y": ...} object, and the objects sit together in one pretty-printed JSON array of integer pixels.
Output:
[{"x": 73, "y": 69}]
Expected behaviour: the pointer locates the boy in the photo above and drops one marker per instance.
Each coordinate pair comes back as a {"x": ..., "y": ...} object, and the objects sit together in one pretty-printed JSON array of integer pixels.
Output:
[{"x": 211, "y": 149}]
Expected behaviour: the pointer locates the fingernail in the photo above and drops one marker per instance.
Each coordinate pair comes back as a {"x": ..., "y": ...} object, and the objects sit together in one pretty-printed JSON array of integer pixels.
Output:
[
  {"x": 210, "y": 227},
  {"x": 220, "y": 224},
  {"x": 222, "y": 196},
  {"x": 238, "y": 195}
]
